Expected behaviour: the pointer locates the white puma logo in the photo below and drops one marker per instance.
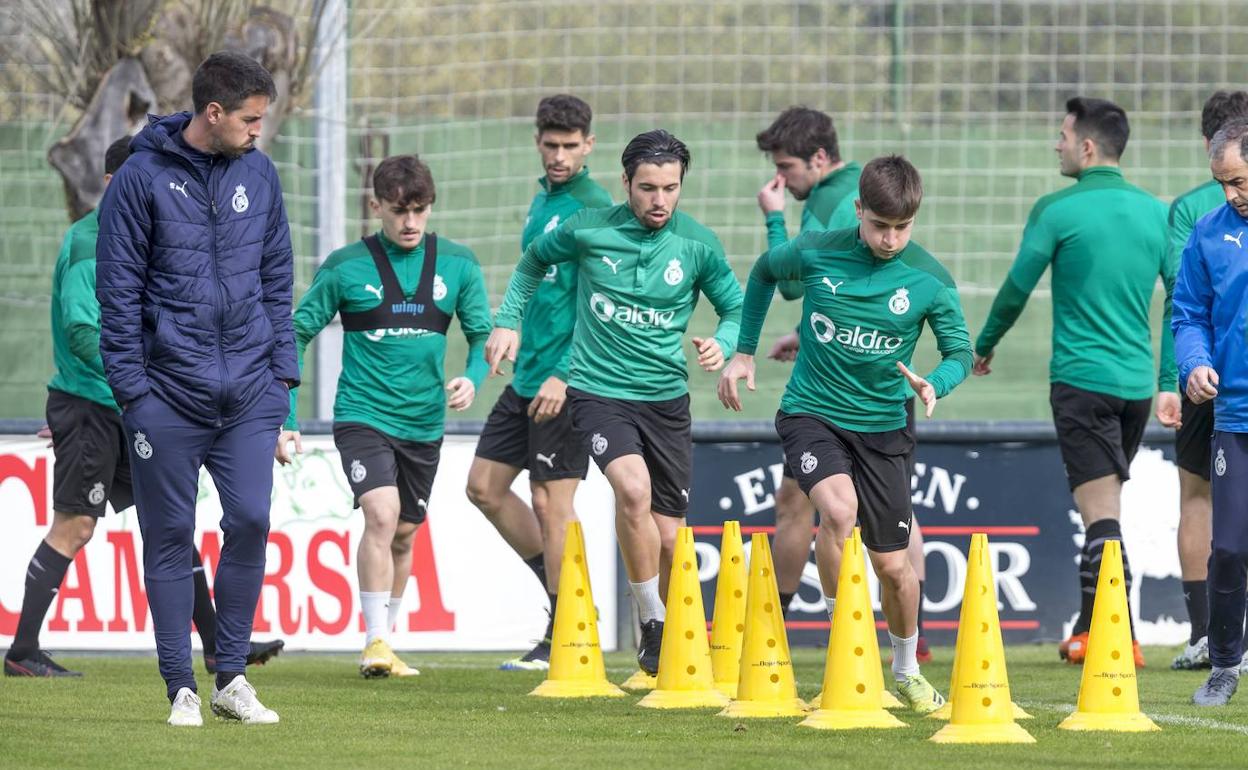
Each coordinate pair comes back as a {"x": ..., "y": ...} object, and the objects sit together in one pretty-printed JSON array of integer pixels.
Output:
[
  {"x": 904, "y": 525},
  {"x": 685, "y": 494},
  {"x": 373, "y": 290},
  {"x": 1234, "y": 238},
  {"x": 613, "y": 265},
  {"x": 550, "y": 461},
  {"x": 180, "y": 188},
  {"x": 833, "y": 286}
]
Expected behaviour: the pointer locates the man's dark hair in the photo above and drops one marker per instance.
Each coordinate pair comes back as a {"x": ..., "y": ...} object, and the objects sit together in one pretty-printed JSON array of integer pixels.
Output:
[
  {"x": 1231, "y": 132},
  {"x": 1102, "y": 121},
  {"x": 890, "y": 186},
  {"x": 404, "y": 179},
  {"x": 230, "y": 78},
  {"x": 656, "y": 147},
  {"x": 801, "y": 132},
  {"x": 116, "y": 154},
  {"x": 563, "y": 112},
  {"x": 1221, "y": 108}
]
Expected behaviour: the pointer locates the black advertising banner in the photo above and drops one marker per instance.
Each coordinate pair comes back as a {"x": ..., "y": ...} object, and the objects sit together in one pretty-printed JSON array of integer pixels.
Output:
[{"x": 1016, "y": 492}]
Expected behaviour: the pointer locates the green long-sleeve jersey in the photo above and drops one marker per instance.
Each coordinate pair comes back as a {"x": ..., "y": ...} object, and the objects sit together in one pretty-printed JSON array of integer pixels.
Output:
[
  {"x": 1189, "y": 208},
  {"x": 76, "y": 317},
  {"x": 828, "y": 207},
  {"x": 1107, "y": 241},
  {"x": 637, "y": 289},
  {"x": 860, "y": 316},
  {"x": 392, "y": 379},
  {"x": 546, "y": 339}
]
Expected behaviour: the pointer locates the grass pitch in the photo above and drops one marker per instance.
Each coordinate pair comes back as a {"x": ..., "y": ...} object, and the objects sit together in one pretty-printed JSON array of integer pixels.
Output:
[{"x": 462, "y": 712}]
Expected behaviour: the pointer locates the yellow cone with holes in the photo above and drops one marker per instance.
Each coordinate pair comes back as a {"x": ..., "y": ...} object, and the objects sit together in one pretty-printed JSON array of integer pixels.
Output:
[
  {"x": 685, "y": 679},
  {"x": 1108, "y": 696},
  {"x": 640, "y": 681},
  {"x": 980, "y": 688},
  {"x": 852, "y": 693},
  {"x": 728, "y": 623},
  {"x": 576, "y": 668},
  {"x": 966, "y": 620},
  {"x": 766, "y": 687}
]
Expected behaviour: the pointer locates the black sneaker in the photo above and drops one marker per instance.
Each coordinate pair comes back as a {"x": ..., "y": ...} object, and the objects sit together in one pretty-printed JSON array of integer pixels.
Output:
[
  {"x": 536, "y": 659},
  {"x": 39, "y": 664},
  {"x": 648, "y": 649},
  {"x": 1217, "y": 691},
  {"x": 258, "y": 653}
]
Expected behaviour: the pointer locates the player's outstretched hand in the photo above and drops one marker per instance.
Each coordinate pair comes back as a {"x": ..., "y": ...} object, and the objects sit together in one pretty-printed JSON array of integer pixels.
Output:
[
  {"x": 921, "y": 387},
  {"x": 548, "y": 402},
  {"x": 282, "y": 453},
  {"x": 710, "y": 354},
  {"x": 1202, "y": 384},
  {"x": 785, "y": 348},
  {"x": 982, "y": 365},
  {"x": 1169, "y": 410},
  {"x": 502, "y": 343},
  {"x": 740, "y": 367},
  {"x": 460, "y": 392},
  {"x": 771, "y": 197}
]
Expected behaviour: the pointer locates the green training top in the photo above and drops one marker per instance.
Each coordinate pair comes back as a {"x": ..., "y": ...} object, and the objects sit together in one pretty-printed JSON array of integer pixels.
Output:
[
  {"x": 392, "y": 379},
  {"x": 860, "y": 316},
  {"x": 76, "y": 317},
  {"x": 1188, "y": 209},
  {"x": 825, "y": 209},
  {"x": 1107, "y": 241},
  {"x": 637, "y": 290},
  {"x": 551, "y": 314}
]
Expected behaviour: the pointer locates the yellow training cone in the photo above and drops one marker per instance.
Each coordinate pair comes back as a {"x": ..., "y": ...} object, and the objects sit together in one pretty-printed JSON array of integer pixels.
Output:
[
  {"x": 640, "y": 681},
  {"x": 851, "y": 678},
  {"x": 576, "y": 668},
  {"x": 685, "y": 679},
  {"x": 766, "y": 687},
  {"x": 1108, "y": 697},
  {"x": 728, "y": 624},
  {"x": 980, "y": 688}
]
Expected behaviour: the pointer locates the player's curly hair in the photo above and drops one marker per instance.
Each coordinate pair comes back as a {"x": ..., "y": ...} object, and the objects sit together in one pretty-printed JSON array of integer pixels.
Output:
[
  {"x": 890, "y": 186},
  {"x": 404, "y": 179},
  {"x": 1220, "y": 109},
  {"x": 801, "y": 132},
  {"x": 657, "y": 147},
  {"x": 563, "y": 112}
]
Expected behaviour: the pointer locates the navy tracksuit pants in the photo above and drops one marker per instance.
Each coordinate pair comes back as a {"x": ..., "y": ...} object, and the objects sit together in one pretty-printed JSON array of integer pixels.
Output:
[
  {"x": 1228, "y": 558},
  {"x": 166, "y": 453}
]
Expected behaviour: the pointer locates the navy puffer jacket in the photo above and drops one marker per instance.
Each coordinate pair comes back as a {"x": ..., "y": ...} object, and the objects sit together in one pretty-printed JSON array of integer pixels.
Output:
[{"x": 194, "y": 277}]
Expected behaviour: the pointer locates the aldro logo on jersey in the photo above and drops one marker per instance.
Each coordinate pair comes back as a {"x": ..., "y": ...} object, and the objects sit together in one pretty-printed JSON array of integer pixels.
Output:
[
  {"x": 630, "y": 315},
  {"x": 859, "y": 340}
]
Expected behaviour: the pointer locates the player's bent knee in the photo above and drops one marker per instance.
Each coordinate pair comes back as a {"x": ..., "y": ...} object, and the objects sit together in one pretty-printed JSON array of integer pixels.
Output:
[{"x": 71, "y": 532}]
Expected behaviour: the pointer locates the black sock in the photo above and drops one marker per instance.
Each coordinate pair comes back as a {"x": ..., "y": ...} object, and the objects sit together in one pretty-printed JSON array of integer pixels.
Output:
[
  {"x": 920, "y": 619},
  {"x": 538, "y": 565},
  {"x": 1196, "y": 596},
  {"x": 204, "y": 614},
  {"x": 225, "y": 677},
  {"x": 554, "y": 602},
  {"x": 43, "y": 579},
  {"x": 1087, "y": 591},
  {"x": 785, "y": 600},
  {"x": 1098, "y": 533}
]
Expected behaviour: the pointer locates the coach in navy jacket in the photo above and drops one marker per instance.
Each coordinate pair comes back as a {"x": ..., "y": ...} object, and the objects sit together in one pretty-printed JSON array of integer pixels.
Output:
[
  {"x": 1210, "y": 314},
  {"x": 194, "y": 277}
]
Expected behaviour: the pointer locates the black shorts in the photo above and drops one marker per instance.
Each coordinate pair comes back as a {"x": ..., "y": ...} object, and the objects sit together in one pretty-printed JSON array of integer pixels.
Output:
[
  {"x": 1098, "y": 434},
  {"x": 373, "y": 459},
  {"x": 659, "y": 431},
  {"x": 92, "y": 463},
  {"x": 787, "y": 472},
  {"x": 548, "y": 450},
  {"x": 878, "y": 463},
  {"x": 1191, "y": 442}
]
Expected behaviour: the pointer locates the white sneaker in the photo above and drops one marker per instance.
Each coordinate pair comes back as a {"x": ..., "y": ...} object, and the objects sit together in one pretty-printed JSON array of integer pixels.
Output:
[
  {"x": 1194, "y": 656},
  {"x": 238, "y": 701},
  {"x": 185, "y": 711}
]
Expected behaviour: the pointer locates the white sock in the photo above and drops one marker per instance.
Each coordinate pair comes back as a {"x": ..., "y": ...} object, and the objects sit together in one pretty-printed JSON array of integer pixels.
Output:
[
  {"x": 905, "y": 662},
  {"x": 649, "y": 603},
  {"x": 396, "y": 604},
  {"x": 373, "y": 604},
  {"x": 830, "y": 601}
]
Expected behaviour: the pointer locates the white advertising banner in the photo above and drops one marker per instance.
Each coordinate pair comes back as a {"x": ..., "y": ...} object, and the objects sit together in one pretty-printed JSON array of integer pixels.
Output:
[{"x": 468, "y": 590}]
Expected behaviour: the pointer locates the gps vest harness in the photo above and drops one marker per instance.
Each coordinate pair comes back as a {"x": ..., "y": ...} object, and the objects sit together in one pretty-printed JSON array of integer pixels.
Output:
[{"x": 397, "y": 311}]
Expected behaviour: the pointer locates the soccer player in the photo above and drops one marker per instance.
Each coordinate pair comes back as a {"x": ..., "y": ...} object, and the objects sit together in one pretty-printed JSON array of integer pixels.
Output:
[
  {"x": 842, "y": 420},
  {"x": 1209, "y": 308},
  {"x": 1107, "y": 242},
  {"x": 92, "y": 466},
  {"x": 529, "y": 428},
  {"x": 395, "y": 291},
  {"x": 1195, "y": 422},
  {"x": 803, "y": 147},
  {"x": 194, "y": 277},
  {"x": 642, "y": 265}
]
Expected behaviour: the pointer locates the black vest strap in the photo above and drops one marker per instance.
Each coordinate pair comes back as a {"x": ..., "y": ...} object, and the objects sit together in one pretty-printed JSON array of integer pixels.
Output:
[{"x": 397, "y": 311}]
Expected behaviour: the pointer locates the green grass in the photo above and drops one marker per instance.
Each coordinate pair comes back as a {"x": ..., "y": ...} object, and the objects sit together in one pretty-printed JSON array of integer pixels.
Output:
[{"x": 463, "y": 713}]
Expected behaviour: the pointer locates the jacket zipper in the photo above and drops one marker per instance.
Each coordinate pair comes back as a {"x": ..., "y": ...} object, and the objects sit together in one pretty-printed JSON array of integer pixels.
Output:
[{"x": 220, "y": 308}]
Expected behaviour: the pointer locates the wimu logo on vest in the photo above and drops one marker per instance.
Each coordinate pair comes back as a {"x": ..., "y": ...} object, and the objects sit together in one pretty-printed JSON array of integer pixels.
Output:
[
  {"x": 857, "y": 339},
  {"x": 630, "y": 315}
]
